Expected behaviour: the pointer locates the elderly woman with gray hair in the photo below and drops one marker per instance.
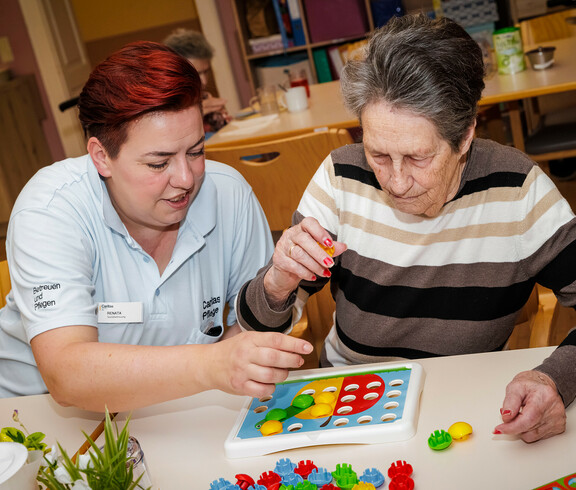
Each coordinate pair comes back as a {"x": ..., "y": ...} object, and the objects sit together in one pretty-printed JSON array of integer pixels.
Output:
[{"x": 438, "y": 237}]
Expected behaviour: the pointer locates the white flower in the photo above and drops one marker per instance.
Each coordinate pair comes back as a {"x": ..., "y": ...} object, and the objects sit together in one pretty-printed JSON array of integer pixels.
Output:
[
  {"x": 84, "y": 461},
  {"x": 52, "y": 456},
  {"x": 62, "y": 475},
  {"x": 80, "y": 485}
]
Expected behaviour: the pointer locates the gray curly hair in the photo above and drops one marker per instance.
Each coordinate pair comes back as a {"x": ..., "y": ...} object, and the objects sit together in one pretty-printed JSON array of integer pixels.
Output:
[
  {"x": 431, "y": 68},
  {"x": 190, "y": 44}
]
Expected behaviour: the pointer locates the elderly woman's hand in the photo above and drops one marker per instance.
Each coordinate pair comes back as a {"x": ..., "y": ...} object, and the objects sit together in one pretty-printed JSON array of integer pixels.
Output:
[
  {"x": 213, "y": 104},
  {"x": 298, "y": 256},
  {"x": 532, "y": 408}
]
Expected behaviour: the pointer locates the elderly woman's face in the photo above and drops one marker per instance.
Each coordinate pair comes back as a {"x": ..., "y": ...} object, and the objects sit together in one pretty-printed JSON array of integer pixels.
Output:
[
  {"x": 416, "y": 167},
  {"x": 159, "y": 169},
  {"x": 203, "y": 68}
]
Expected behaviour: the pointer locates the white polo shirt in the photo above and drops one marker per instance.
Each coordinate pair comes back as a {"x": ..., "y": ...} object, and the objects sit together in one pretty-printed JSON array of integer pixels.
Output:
[{"x": 68, "y": 252}]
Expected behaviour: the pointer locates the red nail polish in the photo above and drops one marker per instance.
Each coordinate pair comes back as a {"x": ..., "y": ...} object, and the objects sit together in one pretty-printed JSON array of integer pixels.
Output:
[
  {"x": 313, "y": 278},
  {"x": 505, "y": 412},
  {"x": 328, "y": 242},
  {"x": 328, "y": 261},
  {"x": 327, "y": 273},
  {"x": 496, "y": 431}
]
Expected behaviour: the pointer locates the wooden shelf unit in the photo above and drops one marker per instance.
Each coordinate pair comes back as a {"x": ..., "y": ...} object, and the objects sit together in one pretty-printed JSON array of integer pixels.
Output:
[{"x": 251, "y": 59}]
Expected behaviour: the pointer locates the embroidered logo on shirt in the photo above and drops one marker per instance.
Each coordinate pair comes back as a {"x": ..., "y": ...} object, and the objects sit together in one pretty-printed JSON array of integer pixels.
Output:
[
  {"x": 210, "y": 311},
  {"x": 41, "y": 301}
]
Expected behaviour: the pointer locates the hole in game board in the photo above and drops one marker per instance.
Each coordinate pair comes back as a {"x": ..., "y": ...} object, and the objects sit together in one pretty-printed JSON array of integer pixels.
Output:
[
  {"x": 294, "y": 427},
  {"x": 265, "y": 399},
  {"x": 330, "y": 389},
  {"x": 373, "y": 385},
  {"x": 308, "y": 392},
  {"x": 351, "y": 388},
  {"x": 341, "y": 422},
  {"x": 396, "y": 382},
  {"x": 371, "y": 396},
  {"x": 393, "y": 394},
  {"x": 347, "y": 398},
  {"x": 344, "y": 410},
  {"x": 388, "y": 417},
  {"x": 260, "y": 409},
  {"x": 391, "y": 405},
  {"x": 366, "y": 419}
]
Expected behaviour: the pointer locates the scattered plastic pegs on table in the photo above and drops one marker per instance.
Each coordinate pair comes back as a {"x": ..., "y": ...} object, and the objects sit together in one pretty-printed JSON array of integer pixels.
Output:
[
  {"x": 361, "y": 485},
  {"x": 401, "y": 482},
  {"x": 400, "y": 468},
  {"x": 460, "y": 431},
  {"x": 284, "y": 467},
  {"x": 344, "y": 476},
  {"x": 439, "y": 440},
  {"x": 304, "y": 468},
  {"x": 219, "y": 484},
  {"x": 269, "y": 479},
  {"x": 292, "y": 479},
  {"x": 320, "y": 476},
  {"x": 373, "y": 476},
  {"x": 244, "y": 481}
]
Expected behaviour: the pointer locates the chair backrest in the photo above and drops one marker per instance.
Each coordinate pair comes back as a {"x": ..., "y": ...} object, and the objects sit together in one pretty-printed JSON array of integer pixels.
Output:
[
  {"x": 280, "y": 170},
  {"x": 548, "y": 27},
  {"x": 4, "y": 282}
]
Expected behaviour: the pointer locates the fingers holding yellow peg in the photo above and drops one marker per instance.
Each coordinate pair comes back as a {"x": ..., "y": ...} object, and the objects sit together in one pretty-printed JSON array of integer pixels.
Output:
[{"x": 328, "y": 250}]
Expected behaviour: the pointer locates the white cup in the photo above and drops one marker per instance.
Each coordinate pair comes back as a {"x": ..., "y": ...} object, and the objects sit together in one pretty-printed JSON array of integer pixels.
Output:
[{"x": 295, "y": 99}]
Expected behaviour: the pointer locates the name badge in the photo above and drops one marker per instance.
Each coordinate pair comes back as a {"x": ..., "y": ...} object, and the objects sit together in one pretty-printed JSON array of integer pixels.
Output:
[{"x": 120, "y": 312}]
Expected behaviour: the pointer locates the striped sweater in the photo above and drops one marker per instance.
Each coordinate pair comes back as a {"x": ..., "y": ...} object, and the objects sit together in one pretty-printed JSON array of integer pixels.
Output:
[{"x": 411, "y": 286}]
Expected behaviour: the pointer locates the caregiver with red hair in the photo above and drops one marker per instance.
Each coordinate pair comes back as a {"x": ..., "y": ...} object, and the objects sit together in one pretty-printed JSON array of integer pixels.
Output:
[{"x": 126, "y": 262}]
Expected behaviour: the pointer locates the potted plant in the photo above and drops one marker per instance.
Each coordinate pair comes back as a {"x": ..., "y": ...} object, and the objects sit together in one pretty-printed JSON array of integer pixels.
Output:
[{"x": 109, "y": 467}]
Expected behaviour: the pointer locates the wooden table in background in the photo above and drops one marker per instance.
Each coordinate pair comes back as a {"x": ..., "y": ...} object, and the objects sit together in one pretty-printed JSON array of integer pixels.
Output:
[
  {"x": 327, "y": 109},
  {"x": 511, "y": 89},
  {"x": 183, "y": 440}
]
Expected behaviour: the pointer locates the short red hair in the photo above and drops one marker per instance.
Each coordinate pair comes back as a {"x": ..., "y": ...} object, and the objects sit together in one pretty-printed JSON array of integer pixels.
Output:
[{"x": 140, "y": 78}]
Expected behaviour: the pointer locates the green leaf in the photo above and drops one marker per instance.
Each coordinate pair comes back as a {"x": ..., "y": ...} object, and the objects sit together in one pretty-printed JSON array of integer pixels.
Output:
[
  {"x": 11, "y": 434},
  {"x": 34, "y": 441}
]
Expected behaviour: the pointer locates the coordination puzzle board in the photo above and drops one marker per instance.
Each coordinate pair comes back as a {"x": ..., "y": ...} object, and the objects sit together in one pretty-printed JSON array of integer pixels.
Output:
[{"x": 366, "y": 404}]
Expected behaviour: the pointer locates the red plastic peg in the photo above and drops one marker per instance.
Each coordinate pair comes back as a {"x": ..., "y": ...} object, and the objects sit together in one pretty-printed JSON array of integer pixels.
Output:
[
  {"x": 305, "y": 468},
  {"x": 244, "y": 481},
  {"x": 401, "y": 482},
  {"x": 399, "y": 468},
  {"x": 270, "y": 480}
]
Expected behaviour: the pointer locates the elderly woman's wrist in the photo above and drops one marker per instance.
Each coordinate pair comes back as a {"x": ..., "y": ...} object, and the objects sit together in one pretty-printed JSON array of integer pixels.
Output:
[{"x": 276, "y": 296}]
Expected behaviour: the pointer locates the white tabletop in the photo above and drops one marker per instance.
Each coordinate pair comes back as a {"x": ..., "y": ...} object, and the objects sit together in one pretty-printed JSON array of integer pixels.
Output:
[{"x": 183, "y": 440}]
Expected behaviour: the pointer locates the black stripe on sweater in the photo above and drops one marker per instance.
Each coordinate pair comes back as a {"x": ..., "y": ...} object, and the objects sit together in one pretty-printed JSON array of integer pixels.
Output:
[
  {"x": 497, "y": 179},
  {"x": 370, "y": 350},
  {"x": 570, "y": 338},
  {"x": 356, "y": 173},
  {"x": 445, "y": 303},
  {"x": 249, "y": 317}
]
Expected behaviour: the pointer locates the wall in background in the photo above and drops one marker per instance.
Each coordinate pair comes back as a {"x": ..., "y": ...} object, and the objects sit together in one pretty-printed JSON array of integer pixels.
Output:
[
  {"x": 107, "y": 25},
  {"x": 12, "y": 25}
]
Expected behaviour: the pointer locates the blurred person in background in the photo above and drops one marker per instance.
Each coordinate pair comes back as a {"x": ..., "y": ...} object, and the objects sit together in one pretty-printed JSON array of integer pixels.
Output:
[{"x": 198, "y": 51}]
